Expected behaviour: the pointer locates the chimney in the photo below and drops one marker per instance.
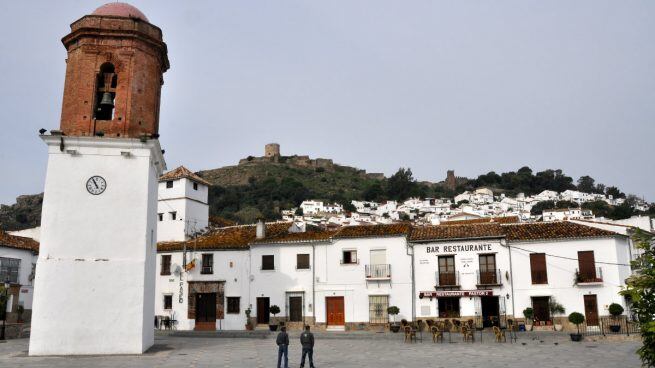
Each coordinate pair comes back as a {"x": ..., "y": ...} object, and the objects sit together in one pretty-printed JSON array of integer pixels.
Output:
[{"x": 261, "y": 229}]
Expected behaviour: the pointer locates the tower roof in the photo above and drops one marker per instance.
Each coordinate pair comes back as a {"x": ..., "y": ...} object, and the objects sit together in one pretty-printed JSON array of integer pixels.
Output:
[
  {"x": 183, "y": 172},
  {"x": 120, "y": 10}
]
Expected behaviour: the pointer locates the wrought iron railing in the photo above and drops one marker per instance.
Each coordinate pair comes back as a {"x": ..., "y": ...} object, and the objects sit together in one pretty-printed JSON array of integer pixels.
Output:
[
  {"x": 447, "y": 279},
  {"x": 378, "y": 271},
  {"x": 589, "y": 276},
  {"x": 609, "y": 325},
  {"x": 492, "y": 277}
]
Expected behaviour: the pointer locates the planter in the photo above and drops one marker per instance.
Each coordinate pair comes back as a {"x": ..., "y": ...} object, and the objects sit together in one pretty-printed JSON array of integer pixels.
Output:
[
  {"x": 576, "y": 337},
  {"x": 394, "y": 328},
  {"x": 272, "y": 327},
  {"x": 249, "y": 327},
  {"x": 558, "y": 327},
  {"x": 528, "y": 327},
  {"x": 615, "y": 328}
]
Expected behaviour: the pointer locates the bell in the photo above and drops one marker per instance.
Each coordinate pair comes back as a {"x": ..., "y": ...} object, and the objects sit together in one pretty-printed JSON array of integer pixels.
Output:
[{"x": 107, "y": 100}]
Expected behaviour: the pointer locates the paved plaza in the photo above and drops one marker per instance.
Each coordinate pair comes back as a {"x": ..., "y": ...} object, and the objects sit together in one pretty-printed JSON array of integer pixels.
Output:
[{"x": 335, "y": 351}]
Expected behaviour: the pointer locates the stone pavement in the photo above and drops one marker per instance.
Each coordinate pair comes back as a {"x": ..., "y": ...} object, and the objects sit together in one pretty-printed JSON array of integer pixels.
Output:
[{"x": 199, "y": 352}]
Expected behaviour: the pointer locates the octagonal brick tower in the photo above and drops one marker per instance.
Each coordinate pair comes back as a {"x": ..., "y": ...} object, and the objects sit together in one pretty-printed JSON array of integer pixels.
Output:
[{"x": 114, "y": 73}]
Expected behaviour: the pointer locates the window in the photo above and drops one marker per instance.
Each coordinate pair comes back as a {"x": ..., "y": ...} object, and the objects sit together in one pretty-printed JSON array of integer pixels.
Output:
[
  {"x": 448, "y": 307},
  {"x": 195, "y": 186},
  {"x": 302, "y": 261},
  {"x": 487, "y": 269},
  {"x": 538, "y": 268},
  {"x": 233, "y": 305},
  {"x": 207, "y": 264},
  {"x": 349, "y": 257},
  {"x": 587, "y": 264},
  {"x": 9, "y": 269},
  {"x": 173, "y": 215},
  {"x": 169, "y": 184},
  {"x": 165, "y": 264},
  {"x": 105, "y": 92},
  {"x": 268, "y": 262},
  {"x": 160, "y": 216},
  {"x": 447, "y": 275},
  {"x": 168, "y": 302},
  {"x": 377, "y": 308}
]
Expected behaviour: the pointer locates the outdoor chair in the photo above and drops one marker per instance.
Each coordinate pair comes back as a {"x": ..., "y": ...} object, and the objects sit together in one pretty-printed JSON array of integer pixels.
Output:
[
  {"x": 437, "y": 334},
  {"x": 467, "y": 334},
  {"x": 410, "y": 334},
  {"x": 500, "y": 334}
]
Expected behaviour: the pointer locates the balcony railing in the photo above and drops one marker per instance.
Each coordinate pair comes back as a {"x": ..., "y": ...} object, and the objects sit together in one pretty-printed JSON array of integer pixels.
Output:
[
  {"x": 207, "y": 270},
  {"x": 447, "y": 279},
  {"x": 378, "y": 271},
  {"x": 487, "y": 278},
  {"x": 589, "y": 276}
]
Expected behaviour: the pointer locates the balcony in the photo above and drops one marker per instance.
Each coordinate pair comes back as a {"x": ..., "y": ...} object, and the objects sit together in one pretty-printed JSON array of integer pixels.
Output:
[
  {"x": 489, "y": 278},
  {"x": 446, "y": 280},
  {"x": 378, "y": 272},
  {"x": 591, "y": 276}
]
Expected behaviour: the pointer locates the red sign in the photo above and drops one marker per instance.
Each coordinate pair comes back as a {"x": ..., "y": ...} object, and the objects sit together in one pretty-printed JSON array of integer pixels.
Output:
[{"x": 454, "y": 293}]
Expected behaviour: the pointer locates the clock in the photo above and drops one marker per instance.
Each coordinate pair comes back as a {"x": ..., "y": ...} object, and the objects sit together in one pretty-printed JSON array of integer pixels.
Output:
[{"x": 96, "y": 185}]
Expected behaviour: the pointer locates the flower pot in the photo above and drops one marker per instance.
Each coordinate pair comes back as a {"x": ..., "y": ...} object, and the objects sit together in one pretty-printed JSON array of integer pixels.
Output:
[
  {"x": 394, "y": 328},
  {"x": 576, "y": 337},
  {"x": 249, "y": 327},
  {"x": 528, "y": 327},
  {"x": 615, "y": 328},
  {"x": 272, "y": 327},
  {"x": 558, "y": 327}
]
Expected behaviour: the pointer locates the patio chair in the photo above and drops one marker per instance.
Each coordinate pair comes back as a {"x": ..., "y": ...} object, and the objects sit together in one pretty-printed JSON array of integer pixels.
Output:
[
  {"x": 467, "y": 334},
  {"x": 410, "y": 334},
  {"x": 500, "y": 334},
  {"x": 437, "y": 334}
]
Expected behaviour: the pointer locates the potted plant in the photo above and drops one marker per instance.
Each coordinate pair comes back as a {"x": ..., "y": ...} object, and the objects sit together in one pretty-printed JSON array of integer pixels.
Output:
[
  {"x": 577, "y": 319},
  {"x": 615, "y": 310},
  {"x": 249, "y": 325},
  {"x": 274, "y": 311},
  {"x": 556, "y": 309},
  {"x": 528, "y": 313},
  {"x": 393, "y": 312}
]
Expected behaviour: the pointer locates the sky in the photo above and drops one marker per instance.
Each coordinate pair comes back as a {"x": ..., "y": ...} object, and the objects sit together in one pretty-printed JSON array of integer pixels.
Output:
[{"x": 474, "y": 86}]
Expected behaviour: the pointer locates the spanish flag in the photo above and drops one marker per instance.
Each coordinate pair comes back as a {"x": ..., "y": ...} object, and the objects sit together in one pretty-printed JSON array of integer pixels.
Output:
[{"x": 189, "y": 266}]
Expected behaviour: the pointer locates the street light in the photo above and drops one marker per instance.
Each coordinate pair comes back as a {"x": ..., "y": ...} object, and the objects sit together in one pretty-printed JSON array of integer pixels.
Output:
[{"x": 4, "y": 312}]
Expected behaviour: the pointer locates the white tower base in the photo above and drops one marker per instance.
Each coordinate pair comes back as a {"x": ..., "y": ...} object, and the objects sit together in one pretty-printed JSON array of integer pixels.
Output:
[{"x": 95, "y": 276}]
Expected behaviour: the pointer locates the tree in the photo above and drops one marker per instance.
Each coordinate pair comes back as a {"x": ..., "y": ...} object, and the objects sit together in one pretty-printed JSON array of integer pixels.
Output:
[
  {"x": 373, "y": 192},
  {"x": 348, "y": 206},
  {"x": 639, "y": 289},
  {"x": 586, "y": 184},
  {"x": 401, "y": 185},
  {"x": 299, "y": 211},
  {"x": 622, "y": 211},
  {"x": 598, "y": 208},
  {"x": 539, "y": 207},
  {"x": 614, "y": 192}
]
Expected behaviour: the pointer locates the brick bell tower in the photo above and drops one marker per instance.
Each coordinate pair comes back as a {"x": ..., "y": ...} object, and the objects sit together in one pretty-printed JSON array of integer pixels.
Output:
[{"x": 95, "y": 275}]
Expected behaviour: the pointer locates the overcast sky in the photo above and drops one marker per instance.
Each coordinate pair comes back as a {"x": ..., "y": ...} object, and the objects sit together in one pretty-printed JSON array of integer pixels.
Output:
[{"x": 431, "y": 85}]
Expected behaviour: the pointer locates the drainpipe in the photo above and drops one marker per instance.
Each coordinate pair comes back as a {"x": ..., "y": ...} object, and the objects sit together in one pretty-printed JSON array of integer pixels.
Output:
[
  {"x": 413, "y": 296},
  {"x": 511, "y": 275},
  {"x": 314, "y": 283}
]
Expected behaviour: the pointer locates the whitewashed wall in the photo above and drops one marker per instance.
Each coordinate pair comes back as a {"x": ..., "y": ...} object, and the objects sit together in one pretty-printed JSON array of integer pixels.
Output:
[
  {"x": 27, "y": 259},
  {"x": 191, "y": 207}
]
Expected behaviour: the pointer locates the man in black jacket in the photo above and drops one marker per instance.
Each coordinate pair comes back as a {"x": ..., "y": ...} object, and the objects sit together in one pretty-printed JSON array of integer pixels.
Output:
[
  {"x": 282, "y": 342},
  {"x": 307, "y": 342}
]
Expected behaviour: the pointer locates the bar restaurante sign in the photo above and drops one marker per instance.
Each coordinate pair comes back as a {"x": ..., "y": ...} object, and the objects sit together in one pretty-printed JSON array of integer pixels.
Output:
[
  {"x": 458, "y": 248},
  {"x": 454, "y": 293}
]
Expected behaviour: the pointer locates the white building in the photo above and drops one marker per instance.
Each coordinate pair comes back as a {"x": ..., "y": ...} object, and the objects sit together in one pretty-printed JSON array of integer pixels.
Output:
[
  {"x": 17, "y": 262},
  {"x": 182, "y": 208},
  {"x": 561, "y": 214}
]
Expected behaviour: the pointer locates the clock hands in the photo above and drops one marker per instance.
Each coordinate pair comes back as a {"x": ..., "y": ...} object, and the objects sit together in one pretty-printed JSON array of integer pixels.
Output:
[{"x": 94, "y": 183}]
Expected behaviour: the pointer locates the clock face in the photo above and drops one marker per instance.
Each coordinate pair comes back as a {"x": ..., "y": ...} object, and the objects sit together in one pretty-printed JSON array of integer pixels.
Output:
[{"x": 96, "y": 185}]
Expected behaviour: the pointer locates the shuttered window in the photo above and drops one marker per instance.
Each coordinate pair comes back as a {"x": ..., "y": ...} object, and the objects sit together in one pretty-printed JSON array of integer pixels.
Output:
[
  {"x": 165, "y": 264},
  {"x": 302, "y": 261},
  {"x": 268, "y": 262},
  {"x": 538, "y": 268},
  {"x": 587, "y": 265}
]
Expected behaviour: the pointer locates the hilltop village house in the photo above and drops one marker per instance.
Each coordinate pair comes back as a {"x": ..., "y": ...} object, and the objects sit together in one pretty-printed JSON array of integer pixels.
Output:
[
  {"x": 487, "y": 269},
  {"x": 17, "y": 261}
]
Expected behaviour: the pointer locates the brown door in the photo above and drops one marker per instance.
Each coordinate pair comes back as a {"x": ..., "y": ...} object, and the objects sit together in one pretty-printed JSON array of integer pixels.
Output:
[
  {"x": 591, "y": 310},
  {"x": 334, "y": 309},
  {"x": 263, "y": 310},
  {"x": 205, "y": 311},
  {"x": 587, "y": 265},
  {"x": 295, "y": 309},
  {"x": 541, "y": 311}
]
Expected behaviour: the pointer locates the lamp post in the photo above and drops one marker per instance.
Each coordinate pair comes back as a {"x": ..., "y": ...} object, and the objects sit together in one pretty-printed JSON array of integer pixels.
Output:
[{"x": 4, "y": 312}]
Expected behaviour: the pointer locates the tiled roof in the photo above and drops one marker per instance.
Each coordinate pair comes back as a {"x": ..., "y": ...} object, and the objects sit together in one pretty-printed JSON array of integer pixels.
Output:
[
  {"x": 553, "y": 230},
  {"x": 466, "y": 231},
  {"x": 300, "y": 237},
  {"x": 500, "y": 220},
  {"x": 18, "y": 242},
  {"x": 363, "y": 231},
  {"x": 183, "y": 172}
]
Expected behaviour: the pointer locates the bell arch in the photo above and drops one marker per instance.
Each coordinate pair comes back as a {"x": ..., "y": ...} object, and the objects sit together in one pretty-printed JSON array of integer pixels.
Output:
[{"x": 106, "y": 83}]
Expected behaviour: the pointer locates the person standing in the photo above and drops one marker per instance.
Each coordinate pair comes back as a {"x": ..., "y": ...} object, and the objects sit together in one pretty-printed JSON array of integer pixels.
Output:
[
  {"x": 307, "y": 342},
  {"x": 282, "y": 342}
]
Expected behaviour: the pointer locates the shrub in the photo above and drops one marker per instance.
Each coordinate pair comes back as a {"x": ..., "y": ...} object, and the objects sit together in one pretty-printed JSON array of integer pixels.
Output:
[
  {"x": 576, "y": 318},
  {"x": 615, "y": 309},
  {"x": 274, "y": 310},
  {"x": 528, "y": 313}
]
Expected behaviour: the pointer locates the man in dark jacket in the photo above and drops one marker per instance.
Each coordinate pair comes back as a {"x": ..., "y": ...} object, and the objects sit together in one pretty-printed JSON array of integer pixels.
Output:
[
  {"x": 282, "y": 342},
  {"x": 307, "y": 342}
]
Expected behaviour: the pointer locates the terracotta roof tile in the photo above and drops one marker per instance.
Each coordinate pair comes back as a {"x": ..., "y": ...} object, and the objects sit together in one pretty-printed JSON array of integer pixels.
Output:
[
  {"x": 363, "y": 231},
  {"x": 449, "y": 232},
  {"x": 18, "y": 242},
  {"x": 553, "y": 230},
  {"x": 500, "y": 220},
  {"x": 301, "y": 237},
  {"x": 183, "y": 172}
]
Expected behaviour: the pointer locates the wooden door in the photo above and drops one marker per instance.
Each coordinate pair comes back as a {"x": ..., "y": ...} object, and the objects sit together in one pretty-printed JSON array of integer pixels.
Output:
[
  {"x": 263, "y": 310},
  {"x": 591, "y": 310},
  {"x": 295, "y": 309},
  {"x": 335, "y": 311},
  {"x": 205, "y": 311},
  {"x": 541, "y": 311}
]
